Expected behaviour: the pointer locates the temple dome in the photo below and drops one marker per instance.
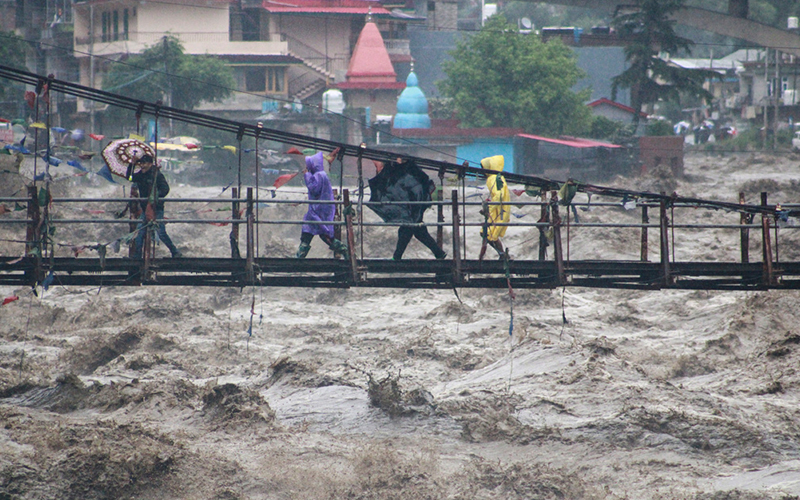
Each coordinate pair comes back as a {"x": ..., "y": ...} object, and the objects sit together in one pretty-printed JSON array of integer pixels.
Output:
[{"x": 412, "y": 106}]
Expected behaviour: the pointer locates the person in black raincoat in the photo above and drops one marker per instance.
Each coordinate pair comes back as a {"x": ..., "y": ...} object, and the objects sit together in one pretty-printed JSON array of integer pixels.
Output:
[{"x": 404, "y": 181}]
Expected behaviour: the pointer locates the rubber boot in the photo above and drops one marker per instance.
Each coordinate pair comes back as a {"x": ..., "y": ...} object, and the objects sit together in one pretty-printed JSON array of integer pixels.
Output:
[
  {"x": 303, "y": 251},
  {"x": 338, "y": 247}
]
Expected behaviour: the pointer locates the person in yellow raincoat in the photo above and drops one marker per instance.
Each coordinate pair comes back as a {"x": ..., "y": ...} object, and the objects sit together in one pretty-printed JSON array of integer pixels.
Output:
[{"x": 498, "y": 192}]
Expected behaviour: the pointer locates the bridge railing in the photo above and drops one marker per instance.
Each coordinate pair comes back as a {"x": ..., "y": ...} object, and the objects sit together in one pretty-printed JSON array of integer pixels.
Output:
[{"x": 350, "y": 226}]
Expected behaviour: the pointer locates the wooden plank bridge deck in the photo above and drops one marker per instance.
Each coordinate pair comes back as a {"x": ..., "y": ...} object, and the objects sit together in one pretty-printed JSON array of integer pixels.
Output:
[
  {"x": 411, "y": 273},
  {"x": 457, "y": 271}
]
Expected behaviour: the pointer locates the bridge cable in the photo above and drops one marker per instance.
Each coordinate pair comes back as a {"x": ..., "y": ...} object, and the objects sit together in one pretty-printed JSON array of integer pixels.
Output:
[{"x": 312, "y": 142}]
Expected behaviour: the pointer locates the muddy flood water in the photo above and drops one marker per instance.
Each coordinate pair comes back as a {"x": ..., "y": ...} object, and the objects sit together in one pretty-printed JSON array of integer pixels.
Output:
[{"x": 180, "y": 393}]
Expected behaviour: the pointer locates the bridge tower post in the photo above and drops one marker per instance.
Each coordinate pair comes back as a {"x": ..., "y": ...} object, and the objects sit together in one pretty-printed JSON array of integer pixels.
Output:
[
  {"x": 439, "y": 216},
  {"x": 545, "y": 218},
  {"x": 766, "y": 246},
  {"x": 250, "y": 237},
  {"x": 457, "y": 276},
  {"x": 351, "y": 239},
  {"x": 744, "y": 233},
  {"x": 234, "y": 236},
  {"x": 645, "y": 221},
  {"x": 666, "y": 278},
  {"x": 557, "y": 248},
  {"x": 33, "y": 245}
]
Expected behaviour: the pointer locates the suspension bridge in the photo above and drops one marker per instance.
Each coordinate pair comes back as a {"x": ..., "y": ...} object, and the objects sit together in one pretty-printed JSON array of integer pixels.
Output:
[{"x": 38, "y": 265}]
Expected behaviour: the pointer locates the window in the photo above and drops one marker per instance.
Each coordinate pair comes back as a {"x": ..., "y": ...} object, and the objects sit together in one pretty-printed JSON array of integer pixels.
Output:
[
  {"x": 125, "y": 24},
  {"x": 116, "y": 25},
  {"x": 255, "y": 79},
  {"x": 276, "y": 79},
  {"x": 251, "y": 25},
  {"x": 105, "y": 23}
]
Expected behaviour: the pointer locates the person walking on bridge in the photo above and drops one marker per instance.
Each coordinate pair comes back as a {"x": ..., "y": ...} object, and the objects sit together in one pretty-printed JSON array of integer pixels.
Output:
[
  {"x": 402, "y": 181},
  {"x": 498, "y": 214},
  {"x": 319, "y": 189},
  {"x": 153, "y": 186}
]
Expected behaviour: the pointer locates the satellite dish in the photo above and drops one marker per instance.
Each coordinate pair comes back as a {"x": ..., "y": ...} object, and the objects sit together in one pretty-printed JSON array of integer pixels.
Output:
[{"x": 526, "y": 23}]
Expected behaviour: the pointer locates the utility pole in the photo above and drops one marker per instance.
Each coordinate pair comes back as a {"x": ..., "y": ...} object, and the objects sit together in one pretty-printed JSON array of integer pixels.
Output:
[
  {"x": 766, "y": 98},
  {"x": 91, "y": 66},
  {"x": 169, "y": 81},
  {"x": 778, "y": 91}
]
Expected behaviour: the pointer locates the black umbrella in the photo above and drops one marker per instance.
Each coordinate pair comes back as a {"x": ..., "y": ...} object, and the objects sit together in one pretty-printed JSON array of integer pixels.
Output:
[{"x": 401, "y": 182}]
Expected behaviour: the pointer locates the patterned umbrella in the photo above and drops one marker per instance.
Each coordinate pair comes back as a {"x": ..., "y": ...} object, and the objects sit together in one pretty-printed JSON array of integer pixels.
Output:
[{"x": 121, "y": 154}]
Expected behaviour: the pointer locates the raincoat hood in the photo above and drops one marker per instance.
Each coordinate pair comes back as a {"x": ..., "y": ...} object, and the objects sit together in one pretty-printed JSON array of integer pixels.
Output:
[
  {"x": 495, "y": 163},
  {"x": 315, "y": 163}
]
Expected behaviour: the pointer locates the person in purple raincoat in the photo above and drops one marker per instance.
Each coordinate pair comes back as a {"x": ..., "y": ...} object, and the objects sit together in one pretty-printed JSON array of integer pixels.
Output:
[{"x": 319, "y": 189}]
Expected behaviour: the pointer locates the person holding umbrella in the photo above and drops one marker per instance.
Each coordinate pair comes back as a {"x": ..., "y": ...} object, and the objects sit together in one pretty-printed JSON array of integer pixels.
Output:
[
  {"x": 400, "y": 182},
  {"x": 153, "y": 186}
]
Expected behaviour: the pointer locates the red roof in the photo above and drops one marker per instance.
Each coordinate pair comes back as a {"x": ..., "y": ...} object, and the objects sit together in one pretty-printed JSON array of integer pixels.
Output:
[
  {"x": 352, "y": 7},
  {"x": 617, "y": 105},
  {"x": 574, "y": 142},
  {"x": 370, "y": 85},
  {"x": 370, "y": 66}
]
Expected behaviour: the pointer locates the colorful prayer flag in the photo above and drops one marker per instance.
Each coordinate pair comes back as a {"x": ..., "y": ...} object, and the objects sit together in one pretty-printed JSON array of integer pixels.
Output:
[{"x": 10, "y": 299}]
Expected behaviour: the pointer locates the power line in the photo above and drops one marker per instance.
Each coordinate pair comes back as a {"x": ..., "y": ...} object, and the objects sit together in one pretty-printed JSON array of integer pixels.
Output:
[
  {"x": 243, "y": 129},
  {"x": 231, "y": 90}
]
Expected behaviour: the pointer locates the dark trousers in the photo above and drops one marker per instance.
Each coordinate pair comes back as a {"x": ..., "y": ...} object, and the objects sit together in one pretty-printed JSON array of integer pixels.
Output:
[
  {"x": 307, "y": 237},
  {"x": 160, "y": 229},
  {"x": 404, "y": 234}
]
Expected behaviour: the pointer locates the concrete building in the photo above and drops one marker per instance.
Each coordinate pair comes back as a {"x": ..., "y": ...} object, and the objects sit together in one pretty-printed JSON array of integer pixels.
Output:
[{"x": 280, "y": 52}]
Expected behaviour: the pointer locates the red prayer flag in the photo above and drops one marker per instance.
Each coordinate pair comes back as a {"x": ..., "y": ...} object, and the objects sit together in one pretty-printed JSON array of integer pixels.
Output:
[
  {"x": 189, "y": 145},
  {"x": 97, "y": 137},
  {"x": 9, "y": 300},
  {"x": 294, "y": 151},
  {"x": 30, "y": 98},
  {"x": 283, "y": 179}
]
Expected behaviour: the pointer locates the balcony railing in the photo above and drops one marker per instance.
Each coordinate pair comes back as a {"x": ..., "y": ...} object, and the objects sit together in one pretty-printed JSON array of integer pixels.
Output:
[{"x": 152, "y": 37}]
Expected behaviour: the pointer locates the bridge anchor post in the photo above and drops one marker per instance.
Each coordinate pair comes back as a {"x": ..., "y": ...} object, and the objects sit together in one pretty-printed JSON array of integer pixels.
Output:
[
  {"x": 557, "y": 248},
  {"x": 250, "y": 238},
  {"x": 767, "y": 278},
  {"x": 458, "y": 276},
  {"x": 666, "y": 276}
]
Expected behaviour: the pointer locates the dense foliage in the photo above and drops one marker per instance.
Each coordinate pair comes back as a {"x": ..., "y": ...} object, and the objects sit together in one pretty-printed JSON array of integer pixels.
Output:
[
  {"x": 164, "y": 72},
  {"x": 499, "y": 78},
  {"x": 12, "y": 53},
  {"x": 650, "y": 77}
]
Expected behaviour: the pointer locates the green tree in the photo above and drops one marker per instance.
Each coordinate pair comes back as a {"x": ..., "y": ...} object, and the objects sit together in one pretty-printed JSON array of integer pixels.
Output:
[
  {"x": 650, "y": 78},
  {"x": 12, "y": 53},
  {"x": 164, "y": 72},
  {"x": 499, "y": 78}
]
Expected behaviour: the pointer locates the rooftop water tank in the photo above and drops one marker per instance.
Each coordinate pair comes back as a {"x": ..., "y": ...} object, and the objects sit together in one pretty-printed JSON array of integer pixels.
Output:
[{"x": 332, "y": 101}]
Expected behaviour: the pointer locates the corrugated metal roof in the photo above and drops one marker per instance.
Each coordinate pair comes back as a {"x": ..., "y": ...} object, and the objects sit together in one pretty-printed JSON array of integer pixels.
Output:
[
  {"x": 615, "y": 104},
  {"x": 359, "y": 11},
  {"x": 574, "y": 142},
  {"x": 260, "y": 58},
  {"x": 349, "y": 7}
]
